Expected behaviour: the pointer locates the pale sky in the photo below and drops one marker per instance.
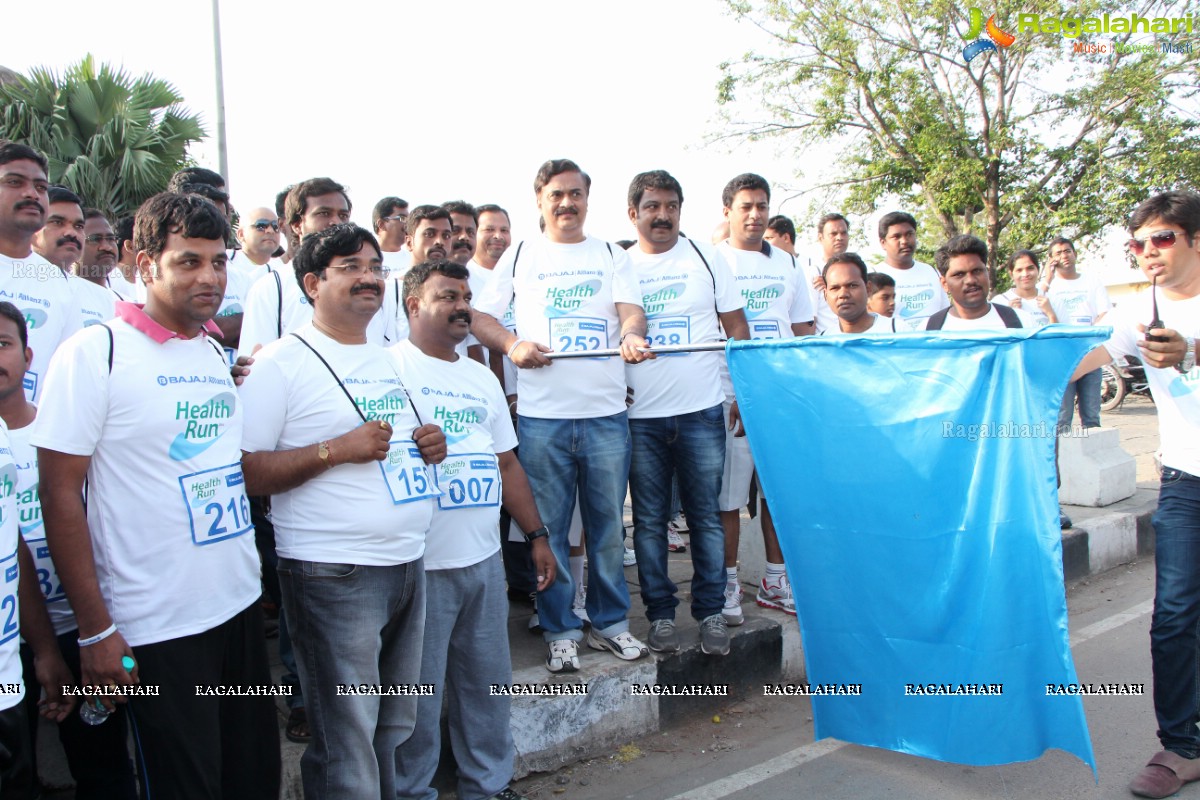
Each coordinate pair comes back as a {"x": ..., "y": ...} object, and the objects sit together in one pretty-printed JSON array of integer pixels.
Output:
[{"x": 442, "y": 101}]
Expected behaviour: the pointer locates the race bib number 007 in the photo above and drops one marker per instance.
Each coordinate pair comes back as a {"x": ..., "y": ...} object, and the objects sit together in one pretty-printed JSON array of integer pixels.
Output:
[
  {"x": 216, "y": 503},
  {"x": 405, "y": 475},
  {"x": 467, "y": 481}
]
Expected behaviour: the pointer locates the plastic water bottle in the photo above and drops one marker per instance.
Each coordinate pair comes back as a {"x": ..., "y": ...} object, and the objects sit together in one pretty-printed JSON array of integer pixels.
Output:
[{"x": 93, "y": 712}]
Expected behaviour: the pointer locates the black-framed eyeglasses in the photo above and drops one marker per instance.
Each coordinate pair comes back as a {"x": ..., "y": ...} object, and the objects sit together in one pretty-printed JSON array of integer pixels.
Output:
[
  {"x": 354, "y": 271},
  {"x": 396, "y": 218},
  {"x": 262, "y": 225},
  {"x": 97, "y": 238}
]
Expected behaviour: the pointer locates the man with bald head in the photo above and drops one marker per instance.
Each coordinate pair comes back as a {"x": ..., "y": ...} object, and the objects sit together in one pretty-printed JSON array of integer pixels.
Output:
[{"x": 259, "y": 236}]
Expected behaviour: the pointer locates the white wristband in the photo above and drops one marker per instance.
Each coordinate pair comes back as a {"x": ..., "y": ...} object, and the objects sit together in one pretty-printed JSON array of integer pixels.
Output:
[
  {"x": 514, "y": 347},
  {"x": 99, "y": 637}
]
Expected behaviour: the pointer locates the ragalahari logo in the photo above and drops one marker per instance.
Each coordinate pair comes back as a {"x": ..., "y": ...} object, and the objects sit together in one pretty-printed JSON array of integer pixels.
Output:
[{"x": 996, "y": 36}]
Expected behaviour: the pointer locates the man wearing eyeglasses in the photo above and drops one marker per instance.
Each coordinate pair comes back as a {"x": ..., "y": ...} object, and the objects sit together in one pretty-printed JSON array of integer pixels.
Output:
[
  {"x": 344, "y": 459},
  {"x": 390, "y": 220},
  {"x": 259, "y": 236},
  {"x": 99, "y": 248},
  {"x": 1166, "y": 243}
]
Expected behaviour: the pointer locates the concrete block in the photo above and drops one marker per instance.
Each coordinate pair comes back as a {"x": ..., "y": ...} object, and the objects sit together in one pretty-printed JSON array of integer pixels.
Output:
[
  {"x": 752, "y": 555},
  {"x": 549, "y": 732},
  {"x": 792, "y": 668},
  {"x": 1112, "y": 540},
  {"x": 1095, "y": 470}
]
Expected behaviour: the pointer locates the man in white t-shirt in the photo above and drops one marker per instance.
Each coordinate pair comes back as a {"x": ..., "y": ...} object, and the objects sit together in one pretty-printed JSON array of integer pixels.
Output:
[
  {"x": 465, "y": 651},
  {"x": 1077, "y": 299},
  {"x": 259, "y": 235},
  {"x": 919, "y": 291},
  {"x": 1165, "y": 239},
  {"x": 275, "y": 305},
  {"x": 676, "y": 421},
  {"x": 781, "y": 233},
  {"x": 777, "y": 301},
  {"x": 159, "y": 571},
  {"x": 124, "y": 278},
  {"x": 845, "y": 281},
  {"x": 962, "y": 263},
  {"x": 61, "y": 243},
  {"x": 332, "y": 436},
  {"x": 572, "y": 294},
  {"x": 389, "y": 218},
  {"x": 100, "y": 245},
  {"x": 464, "y": 224},
  {"x": 27, "y": 280}
]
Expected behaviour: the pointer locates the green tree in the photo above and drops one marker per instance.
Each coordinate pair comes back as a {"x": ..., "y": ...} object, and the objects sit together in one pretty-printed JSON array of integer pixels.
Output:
[
  {"x": 114, "y": 139},
  {"x": 1017, "y": 144}
]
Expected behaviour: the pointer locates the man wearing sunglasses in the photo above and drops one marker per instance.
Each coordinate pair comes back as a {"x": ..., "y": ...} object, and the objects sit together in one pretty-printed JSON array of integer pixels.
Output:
[
  {"x": 1166, "y": 243},
  {"x": 259, "y": 237}
]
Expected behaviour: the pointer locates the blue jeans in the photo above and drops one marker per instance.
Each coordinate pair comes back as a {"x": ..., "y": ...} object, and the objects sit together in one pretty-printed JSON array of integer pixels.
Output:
[
  {"x": 353, "y": 625},
  {"x": 591, "y": 457},
  {"x": 1087, "y": 391},
  {"x": 1174, "y": 640},
  {"x": 466, "y": 651},
  {"x": 690, "y": 447}
]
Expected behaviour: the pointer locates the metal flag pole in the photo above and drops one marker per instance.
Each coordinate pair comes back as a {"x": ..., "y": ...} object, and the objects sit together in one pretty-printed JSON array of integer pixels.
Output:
[{"x": 658, "y": 350}]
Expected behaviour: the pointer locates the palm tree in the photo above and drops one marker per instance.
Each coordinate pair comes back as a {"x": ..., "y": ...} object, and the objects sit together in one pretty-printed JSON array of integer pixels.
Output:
[{"x": 113, "y": 139}]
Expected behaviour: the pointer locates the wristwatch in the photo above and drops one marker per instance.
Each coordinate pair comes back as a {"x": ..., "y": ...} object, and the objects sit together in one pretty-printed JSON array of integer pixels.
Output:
[
  {"x": 1189, "y": 358},
  {"x": 324, "y": 454},
  {"x": 540, "y": 533}
]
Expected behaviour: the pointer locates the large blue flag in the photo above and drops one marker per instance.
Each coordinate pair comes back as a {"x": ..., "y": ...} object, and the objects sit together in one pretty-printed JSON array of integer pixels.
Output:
[{"x": 911, "y": 479}]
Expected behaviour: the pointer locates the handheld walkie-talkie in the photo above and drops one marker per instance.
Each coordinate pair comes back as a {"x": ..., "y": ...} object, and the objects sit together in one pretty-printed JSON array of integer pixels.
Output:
[{"x": 1156, "y": 322}]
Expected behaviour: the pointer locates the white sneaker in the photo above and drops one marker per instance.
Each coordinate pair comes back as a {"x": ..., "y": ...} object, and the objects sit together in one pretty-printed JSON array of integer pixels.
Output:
[
  {"x": 564, "y": 656},
  {"x": 675, "y": 542},
  {"x": 624, "y": 645},
  {"x": 733, "y": 604},
  {"x": 579, "y": 604},
  {"x": 777, "y": 595},
  {"x": 679, "y": 523},
  {"x": 535, "y": 623},
  {"x": 630, "y": 557}
]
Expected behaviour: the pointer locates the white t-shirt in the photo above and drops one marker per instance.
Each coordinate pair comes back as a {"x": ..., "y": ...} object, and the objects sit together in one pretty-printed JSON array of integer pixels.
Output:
[
  {"x": 96, "y": 304},
  {"x": 130, "y": 291},
  {"x": 353, "y": 513},
  {"x": 10, "y": 612},
  {"x": 251, "y": 272},
  {"x": 398, "y": 261},
  {"x": 276, "y": 291},
  {"x": 564, "y": 296},
  {"x": 1177, "y": 396},
  {"x": 1079, "y": 301},
  {"x": 167, "y": 510},
  {"x": 681, "y": 297},
  {"x": 919, "y": 294},
  {"x": 1028, "y": 306},
  {"x": 237, "y": 286},
  {"x": 881, "y": 324},
  {"x": 29, "y": 507},
  {"x": 42, "y": 292},
  {"x": 464, "y": 398},
  {"x": 771, "y": 286},
  {"x": 989, "y": 321},
  {"x": 826, "y": 317}
]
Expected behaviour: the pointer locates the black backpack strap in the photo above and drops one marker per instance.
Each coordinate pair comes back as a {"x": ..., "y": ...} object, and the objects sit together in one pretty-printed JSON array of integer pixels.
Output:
[
  {"x": 1010, "y": 317},
  {"x": 706, "y": 266},
  {"x": 278, "y": 305},
  {"x": 937, "y": 320},
  {"x": 110, "y": 347}
]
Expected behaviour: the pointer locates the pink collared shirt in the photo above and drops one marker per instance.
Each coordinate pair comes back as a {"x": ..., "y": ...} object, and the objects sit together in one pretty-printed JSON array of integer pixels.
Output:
[{"x": 134, "y": 315}]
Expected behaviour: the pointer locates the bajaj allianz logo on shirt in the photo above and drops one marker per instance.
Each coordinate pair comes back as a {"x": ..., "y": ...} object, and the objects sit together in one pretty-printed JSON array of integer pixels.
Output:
[
  {"x": 203, "y": 425},
  {"x": 571, "y": 298}
]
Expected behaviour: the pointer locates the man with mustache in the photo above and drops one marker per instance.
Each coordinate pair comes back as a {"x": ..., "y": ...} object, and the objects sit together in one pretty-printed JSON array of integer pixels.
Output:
[
  {"x": 61, "y": 242},
  {"x": 778, "y": 306},
  {"x": 275, "y": 305},
  {"x": 676, "y": 422},
  {"x": 919, "y": 291},
  {"x": 332, "y": 436},
  {"x": 34, "y": 285},
  {"x": 962, "y": 263},
  {"x": 99, "y": 248},
  {"x": 572, "y": 293},
  {"x": 390, "y": 220},
  {"x": 464, "y": 224},
  {"x": 845, "y": 281},
  {"x": 465, "y": 651}
]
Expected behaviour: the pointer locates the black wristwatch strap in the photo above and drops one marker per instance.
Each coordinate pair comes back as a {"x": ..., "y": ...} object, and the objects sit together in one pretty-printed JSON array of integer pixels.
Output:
[{"x": 540, "y": 533}]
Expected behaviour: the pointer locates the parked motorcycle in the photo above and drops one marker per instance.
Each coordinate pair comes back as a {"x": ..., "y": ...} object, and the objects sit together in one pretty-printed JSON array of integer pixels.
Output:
[{"x": 1117, "y": 381}]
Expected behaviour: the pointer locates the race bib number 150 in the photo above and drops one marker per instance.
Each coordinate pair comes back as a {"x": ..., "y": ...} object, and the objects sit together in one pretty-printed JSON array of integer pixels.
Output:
[{"x": 405, "y": 475}]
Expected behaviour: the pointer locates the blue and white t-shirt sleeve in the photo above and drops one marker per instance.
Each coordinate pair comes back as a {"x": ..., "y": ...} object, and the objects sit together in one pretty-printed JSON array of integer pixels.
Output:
[
  {"x": 264, "y": 397},
  {"x": 504, "y": 438},
  {"x": 727, "y": 296},
  {"x": 74, "y": 401}
]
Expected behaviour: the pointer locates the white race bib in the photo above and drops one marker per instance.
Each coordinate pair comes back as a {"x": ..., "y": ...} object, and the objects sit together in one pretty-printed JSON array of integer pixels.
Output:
[
  {"x": 575, "y": 334},
  {"x": 764, "y": 329},
  {"x": 30, "y": 384},
  {"x": 10, "y": 622},
  {"x": 404, "y": 473},
  {"x": 664, "y": 330},
  {"x": 47, "y": 575},
  {"x": 216, "y": 503},
  {"x": 468, "y": 480}
]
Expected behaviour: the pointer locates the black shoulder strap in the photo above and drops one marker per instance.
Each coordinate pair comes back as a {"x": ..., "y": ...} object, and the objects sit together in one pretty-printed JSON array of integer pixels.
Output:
[
  {"x": 110, "y": 347},
  {"x": 1010, "y": 317},
  {"x": 278, "y": 306},
  {"x": 610, "y": 253},
  {"x": 893, "y": 325},
  {"x": 706, "y": 266},
  {"x": 341, "y": 385},
  {"x": 937, "y": 320}
]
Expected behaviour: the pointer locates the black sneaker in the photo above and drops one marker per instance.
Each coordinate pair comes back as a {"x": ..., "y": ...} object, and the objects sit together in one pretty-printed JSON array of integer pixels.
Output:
[
  {"x": 663, "y": 637},
  {"x": 1064, "y": 522},
  {"x": 714, "y": 635},
  {"x": 508, "y": 794}
]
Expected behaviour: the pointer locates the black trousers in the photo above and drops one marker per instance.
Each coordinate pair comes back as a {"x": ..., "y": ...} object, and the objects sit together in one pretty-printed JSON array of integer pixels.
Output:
[
  {"x": 16, "y": 770},
  {"x": 197, "y": 747}
]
